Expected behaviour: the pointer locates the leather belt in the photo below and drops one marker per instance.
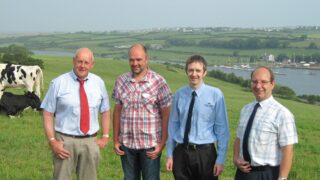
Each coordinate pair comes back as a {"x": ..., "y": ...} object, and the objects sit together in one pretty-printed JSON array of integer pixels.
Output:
[
  {"x": 195, "y": 146},
  {"x": 77, "y": 136},
  {"x": 262, "y": 168}
]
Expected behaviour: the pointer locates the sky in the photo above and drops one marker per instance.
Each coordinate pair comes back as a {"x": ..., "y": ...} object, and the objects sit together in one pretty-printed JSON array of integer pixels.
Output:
[{"x": 18, "y": 16}]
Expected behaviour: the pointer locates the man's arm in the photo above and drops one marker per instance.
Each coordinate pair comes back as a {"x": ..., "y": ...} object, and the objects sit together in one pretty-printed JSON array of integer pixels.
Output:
[
  {"x": 241, "y": 164},
  {"x": 286, "y": 161},
  {"x": 105, "y": 126},
  {"x": 56, "y": 146},
  {"x": 116, "y": 128},
  {"x": 165, "y": 111}
]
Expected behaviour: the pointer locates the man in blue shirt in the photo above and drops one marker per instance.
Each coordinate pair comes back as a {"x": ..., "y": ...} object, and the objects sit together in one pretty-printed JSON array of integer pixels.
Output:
[
  {"x": 71, "y": 133},
  {"x": 191, "y": 152}
]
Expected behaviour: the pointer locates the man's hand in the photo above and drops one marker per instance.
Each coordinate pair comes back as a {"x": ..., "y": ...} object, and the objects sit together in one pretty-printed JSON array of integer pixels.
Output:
[
  {"x": 117, "y": 149},
  {"x": 102, "y": 142},
  {"x": 58, "y": 149},
  {"x": 243, "y": 165},
  {"x": 155, "y": 153},
  {"x": 169, "y": 164},
  {"x": 218, "y": 169}
]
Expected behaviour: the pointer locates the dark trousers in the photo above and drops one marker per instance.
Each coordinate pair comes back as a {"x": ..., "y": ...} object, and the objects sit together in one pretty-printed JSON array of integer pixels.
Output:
[
  {"x": 135, "y": 163},
  {"x": 259, "y": 173},
  {"x": 194, "y": 163}
]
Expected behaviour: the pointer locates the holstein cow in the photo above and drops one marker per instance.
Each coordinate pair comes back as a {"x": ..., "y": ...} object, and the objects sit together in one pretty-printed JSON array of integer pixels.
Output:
[
  {"x": 13, "y": 75},
  {"x": 14, "y": 104}
]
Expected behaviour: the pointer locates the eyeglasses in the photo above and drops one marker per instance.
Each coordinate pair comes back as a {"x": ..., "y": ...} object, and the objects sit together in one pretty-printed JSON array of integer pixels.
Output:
[{"x": 255, "y": 82}]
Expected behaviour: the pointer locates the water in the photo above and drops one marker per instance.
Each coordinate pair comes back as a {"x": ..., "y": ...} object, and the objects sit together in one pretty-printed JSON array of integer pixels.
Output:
[{"x": 302, "y": 81}]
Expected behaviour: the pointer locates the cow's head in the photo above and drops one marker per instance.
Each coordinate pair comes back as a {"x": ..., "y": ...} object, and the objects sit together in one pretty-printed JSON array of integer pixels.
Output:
[{"x": 34, "y": 100}]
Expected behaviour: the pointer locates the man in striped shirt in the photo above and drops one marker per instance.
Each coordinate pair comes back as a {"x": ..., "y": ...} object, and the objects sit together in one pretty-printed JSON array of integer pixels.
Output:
[
  {"x": 140, "y": 119},
  {"x": 265, "y": 150}
]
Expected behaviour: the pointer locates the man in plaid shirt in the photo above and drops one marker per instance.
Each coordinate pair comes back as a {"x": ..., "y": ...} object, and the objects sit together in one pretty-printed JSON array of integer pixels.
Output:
[{"x": 140, "y": 119}]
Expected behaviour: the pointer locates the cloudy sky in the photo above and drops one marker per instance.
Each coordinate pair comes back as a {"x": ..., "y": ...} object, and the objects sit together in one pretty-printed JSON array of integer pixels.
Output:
[{"x": 107, "y": 15}]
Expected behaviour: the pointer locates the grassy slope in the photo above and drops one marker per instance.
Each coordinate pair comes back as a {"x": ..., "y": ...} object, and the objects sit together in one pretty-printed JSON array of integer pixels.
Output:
[{"x": 24, "y": 153}]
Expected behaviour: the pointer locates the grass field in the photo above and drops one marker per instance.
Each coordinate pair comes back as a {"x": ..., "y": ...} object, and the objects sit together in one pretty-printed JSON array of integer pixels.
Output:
[{"x": 24, "y": 152}]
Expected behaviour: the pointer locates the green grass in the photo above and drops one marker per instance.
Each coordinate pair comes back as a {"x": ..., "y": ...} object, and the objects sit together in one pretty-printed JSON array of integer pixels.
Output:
[{"x": 24, "y": 152}]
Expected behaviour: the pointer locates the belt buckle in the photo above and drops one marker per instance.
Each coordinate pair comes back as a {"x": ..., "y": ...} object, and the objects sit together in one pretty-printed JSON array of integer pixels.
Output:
[{"x": 192, "y": 147}]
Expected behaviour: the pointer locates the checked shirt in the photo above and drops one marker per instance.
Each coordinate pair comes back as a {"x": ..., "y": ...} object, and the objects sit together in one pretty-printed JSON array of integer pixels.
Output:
[{"x": 140, "y": 119}]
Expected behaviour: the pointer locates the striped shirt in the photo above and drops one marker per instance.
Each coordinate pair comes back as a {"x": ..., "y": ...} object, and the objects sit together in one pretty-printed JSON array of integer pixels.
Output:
[
  {"x": 273, "y": 127},
  {"x": 140, "y": 119},
  {"x": 63, "y": 100}
]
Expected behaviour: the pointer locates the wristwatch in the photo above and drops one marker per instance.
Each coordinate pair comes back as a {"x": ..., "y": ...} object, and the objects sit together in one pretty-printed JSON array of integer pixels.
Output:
[{"x": 105, "y": 135}]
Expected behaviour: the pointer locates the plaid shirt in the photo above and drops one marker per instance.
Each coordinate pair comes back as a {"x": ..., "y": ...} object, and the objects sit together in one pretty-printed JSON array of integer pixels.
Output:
[
  {"x": 140, "y": 119},
  {"x": 273, "y": 127}
]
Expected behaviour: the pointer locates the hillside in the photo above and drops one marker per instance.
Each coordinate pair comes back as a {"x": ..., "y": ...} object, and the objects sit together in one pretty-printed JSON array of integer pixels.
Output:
[{"x": 24, "y": 152}]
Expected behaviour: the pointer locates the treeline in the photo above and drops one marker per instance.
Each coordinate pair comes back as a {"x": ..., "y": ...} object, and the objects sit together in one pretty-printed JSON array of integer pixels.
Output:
[
  {"x": 312, "y": 99},
  {"x": 308, "y": 58},
  {"x": 252, "y": 43},
  {"x": 18, "y": 55},
  {"x": 279, "y": 91},
  {"x": 237, "y": 43}
]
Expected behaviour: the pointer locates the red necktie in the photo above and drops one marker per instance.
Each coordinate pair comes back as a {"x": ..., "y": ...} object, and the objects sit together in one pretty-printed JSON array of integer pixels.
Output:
[{"x": 84, "y": 117}]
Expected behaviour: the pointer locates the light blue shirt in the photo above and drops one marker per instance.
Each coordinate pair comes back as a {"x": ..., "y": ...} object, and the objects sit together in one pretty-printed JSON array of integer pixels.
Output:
[
  {"x": 209, "y": 123},
  {"x": 63, "y": 100}
]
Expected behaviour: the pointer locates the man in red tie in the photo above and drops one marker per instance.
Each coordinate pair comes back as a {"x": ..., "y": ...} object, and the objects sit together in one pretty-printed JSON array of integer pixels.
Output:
[{"x": 71, "y": 124}]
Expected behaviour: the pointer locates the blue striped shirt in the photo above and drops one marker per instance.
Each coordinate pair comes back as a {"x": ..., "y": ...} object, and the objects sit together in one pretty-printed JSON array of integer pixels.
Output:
[
  {"x": 63, "y": 100},
  {"x": 209, "y": 123},
  {"x": 273, "y": 127}
]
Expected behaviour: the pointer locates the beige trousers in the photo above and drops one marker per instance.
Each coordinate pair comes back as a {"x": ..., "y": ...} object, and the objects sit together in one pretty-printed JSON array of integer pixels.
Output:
[{"x": 84, "y": 159}]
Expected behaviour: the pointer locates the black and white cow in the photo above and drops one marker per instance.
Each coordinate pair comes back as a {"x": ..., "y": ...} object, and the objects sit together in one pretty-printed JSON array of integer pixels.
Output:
[
  {"x": 13, "y": 104},
  {"x": 13, "y": 75}
]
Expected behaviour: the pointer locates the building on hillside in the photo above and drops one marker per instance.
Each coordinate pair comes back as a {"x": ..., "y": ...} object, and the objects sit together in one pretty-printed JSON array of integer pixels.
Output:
[{"x": 269, "y": 57}]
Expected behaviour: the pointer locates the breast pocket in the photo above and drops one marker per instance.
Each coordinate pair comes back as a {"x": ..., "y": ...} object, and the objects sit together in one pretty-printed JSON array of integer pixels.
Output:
[
  {"x": 149, "y": 102},
  {"x": 126, "y": 100},
  {"x": 206, "y": 111},
  {"x": 266, "y": 133}
]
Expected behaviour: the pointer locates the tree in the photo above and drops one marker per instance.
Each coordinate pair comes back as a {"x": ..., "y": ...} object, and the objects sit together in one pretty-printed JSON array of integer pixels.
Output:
[
  {"x": 19, "y": 55},
  {"x": 303, "y": 37},
  {"x": 282, "y": 57},
  {"x": 312, "y": 45}
]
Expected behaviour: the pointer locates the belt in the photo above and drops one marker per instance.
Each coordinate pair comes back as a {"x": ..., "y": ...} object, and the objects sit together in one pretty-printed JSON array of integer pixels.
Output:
[
  {"x": 77, "y": 136},
  {"x": 195, "y": 146},
  {"x": 262, "y": 168}
]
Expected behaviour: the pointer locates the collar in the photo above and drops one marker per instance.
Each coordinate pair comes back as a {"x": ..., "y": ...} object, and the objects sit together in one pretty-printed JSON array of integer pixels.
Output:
[
  {"x": 265, "y": 102},
  {"x": 75, "y": 77},
  {"x": 198, "y": 90},
  {"x": 146, "y": 77}
]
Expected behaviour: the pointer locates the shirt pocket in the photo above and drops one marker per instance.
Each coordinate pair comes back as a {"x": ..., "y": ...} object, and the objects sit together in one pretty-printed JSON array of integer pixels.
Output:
[
  {"x": 94, "y": 100},
  {"x": 266, "y": 133},
  {"x": 206, "y": 111},
  {"x": 149, "y": 102},
  {"x": 126, "y": 100}
]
